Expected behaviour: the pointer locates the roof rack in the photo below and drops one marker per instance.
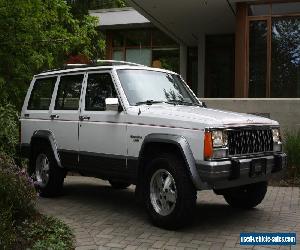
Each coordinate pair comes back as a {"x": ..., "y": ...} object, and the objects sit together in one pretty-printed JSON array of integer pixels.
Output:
[
  {"x": 115, "y": 62},
  {"x": 94, "y": 64}
]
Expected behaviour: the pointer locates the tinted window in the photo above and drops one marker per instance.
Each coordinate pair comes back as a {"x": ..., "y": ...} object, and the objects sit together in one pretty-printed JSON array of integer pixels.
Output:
[
  {"x": 99, "y": 87},
  {"x": 68, "y": 93},
  {"x": 41, "y": 94}
]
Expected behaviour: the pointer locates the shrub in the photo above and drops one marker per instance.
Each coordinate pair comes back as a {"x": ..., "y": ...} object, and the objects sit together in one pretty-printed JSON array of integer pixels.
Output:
[
  {"x": 47, "y": 233},
  {"x": 17, "y": 191},
  {"x": 17, "y": 200},
  {"x": 292, "y": 149},
  {"x": 7, "y": 233},
  {"x": 8, "y": 129}
]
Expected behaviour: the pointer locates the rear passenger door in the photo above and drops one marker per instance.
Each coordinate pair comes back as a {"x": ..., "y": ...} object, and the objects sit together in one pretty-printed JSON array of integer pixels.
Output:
[
  {"x": 36, "y": 110},
  {"x": 102, "y": 133},
  {"x": 65, "y": 116}
]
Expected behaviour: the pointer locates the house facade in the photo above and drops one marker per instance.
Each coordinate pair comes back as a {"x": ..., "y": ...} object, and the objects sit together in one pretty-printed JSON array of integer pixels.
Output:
[{"x": 235, "y": 54}]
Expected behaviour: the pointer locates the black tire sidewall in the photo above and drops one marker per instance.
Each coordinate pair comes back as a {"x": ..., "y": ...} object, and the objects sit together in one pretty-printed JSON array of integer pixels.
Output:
[
  {"x": 56, "y": 174},
  {"x": 172, "y": 165}
]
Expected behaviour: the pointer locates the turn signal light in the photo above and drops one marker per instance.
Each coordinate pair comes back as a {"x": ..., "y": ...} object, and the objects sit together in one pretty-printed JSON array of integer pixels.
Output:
[{"x": 208, "y": 146}]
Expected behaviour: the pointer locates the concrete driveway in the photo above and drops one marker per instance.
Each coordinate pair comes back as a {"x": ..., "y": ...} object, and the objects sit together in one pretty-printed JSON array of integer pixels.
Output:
[{"x": 104, "y": 218}]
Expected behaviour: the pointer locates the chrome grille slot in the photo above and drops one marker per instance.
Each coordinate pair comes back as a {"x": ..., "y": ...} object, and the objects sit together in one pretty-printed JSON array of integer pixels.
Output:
[{"x": 249, "y": 141}]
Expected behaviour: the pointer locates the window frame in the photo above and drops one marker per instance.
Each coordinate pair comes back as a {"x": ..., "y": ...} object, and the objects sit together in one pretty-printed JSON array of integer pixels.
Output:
[
  {"x": 84, "y": 91},
  {"x": 32, "y": 89},
  {"x": 86, "y": 88},
  {"x": 83, "y": 73},
  {"x": 268, "y": 19}
]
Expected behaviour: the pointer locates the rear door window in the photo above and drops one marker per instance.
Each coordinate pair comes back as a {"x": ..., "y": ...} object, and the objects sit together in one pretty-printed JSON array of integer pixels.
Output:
[
  {"x": 68, "y": 93},
  {"x": 41, "y": 94}
]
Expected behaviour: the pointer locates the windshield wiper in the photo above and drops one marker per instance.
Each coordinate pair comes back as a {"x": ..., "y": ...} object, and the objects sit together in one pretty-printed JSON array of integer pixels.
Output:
[
  {"x": 148, "y": 102},
  {"x": 180, "y": 102}
]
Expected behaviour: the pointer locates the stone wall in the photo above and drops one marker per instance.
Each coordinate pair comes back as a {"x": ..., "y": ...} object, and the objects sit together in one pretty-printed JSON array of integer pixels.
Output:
[{"x": 284, "y": 110}]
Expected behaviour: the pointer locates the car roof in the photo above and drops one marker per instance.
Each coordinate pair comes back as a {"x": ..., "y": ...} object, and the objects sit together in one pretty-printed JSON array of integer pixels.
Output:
[{"x": 81, "y": 68}]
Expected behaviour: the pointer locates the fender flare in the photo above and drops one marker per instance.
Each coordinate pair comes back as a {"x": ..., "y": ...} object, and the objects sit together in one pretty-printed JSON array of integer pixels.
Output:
[
  {"x": 48, "y": 135},
  {"x": 184, "y": 147}
]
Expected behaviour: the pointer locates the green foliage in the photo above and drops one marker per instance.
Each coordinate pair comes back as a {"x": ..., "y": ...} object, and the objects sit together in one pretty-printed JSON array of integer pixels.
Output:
[
  {"x": 8, "y": 129},
  {"x": 47, "y": 233},
  {"x": 17, "y": 200},
  {"x": 17, "y": 191},
  {"x": 7, "y": 233},
  {"x": 292, "y": 148},
  {"x": 21, "y": 227},
  {"x": 37, "y": 35}
]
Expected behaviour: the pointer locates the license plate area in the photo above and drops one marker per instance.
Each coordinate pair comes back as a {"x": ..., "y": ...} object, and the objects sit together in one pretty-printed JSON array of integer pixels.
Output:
[{"x": 258, "y": 167}]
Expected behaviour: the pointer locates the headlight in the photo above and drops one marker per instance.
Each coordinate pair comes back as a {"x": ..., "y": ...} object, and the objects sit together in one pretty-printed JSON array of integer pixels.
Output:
[
  {"x": 277, "y": 144},
  {"x": 215, "y": 144},
  {"x": 219, "y": 138},
  {"x": 276, "y": 135}
]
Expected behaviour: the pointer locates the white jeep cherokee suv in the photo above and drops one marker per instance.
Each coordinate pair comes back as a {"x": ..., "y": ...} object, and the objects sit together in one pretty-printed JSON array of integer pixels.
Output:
[{"x": 131, "y": 124}]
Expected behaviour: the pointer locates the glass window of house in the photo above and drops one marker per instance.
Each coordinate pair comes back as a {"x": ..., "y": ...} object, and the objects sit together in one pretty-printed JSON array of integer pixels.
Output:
[
  {"x": 141, "y": 56},
  {"x": 285, "y": 8},
  {"x": 166, "y": 58},
  {"x": 259, "y": 9},
  {"x": 138, "y": 38},
  {"x": 118, "y": 39},
  {"x": 41, "y": 94},
  {"x": 68, "y": 93},
  {"x": 99, "y": 87},
  {"x": 285, "y": 63},
  {"x": 257, "y": 58},
  {"x": 118, "y": 55}
]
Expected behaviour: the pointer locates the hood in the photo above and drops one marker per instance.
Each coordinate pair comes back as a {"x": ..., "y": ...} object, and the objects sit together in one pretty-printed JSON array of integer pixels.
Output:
[{"x": 205, "y": 116}]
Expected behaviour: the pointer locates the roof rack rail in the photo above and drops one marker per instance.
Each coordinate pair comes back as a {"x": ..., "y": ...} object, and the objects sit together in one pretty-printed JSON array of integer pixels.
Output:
[
  {"x": 94, "y": 64},
  {"x": 115, "y": 62}
]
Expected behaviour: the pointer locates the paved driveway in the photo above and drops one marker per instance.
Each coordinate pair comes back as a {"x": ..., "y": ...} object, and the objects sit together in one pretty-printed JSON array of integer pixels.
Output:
[{"x": 104, "y": 218}]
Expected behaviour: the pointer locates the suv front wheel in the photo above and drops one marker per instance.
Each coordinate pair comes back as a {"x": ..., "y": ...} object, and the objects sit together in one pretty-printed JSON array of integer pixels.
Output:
[
  {"x": 48, "y": 176},
  {"x": 170, "y": 196}
]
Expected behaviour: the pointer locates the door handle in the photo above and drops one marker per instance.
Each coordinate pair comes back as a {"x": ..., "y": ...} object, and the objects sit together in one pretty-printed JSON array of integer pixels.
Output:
[
  {"x": 54, "y": 117},
  {"x": 26, "y": 115},
  {"x": 84, "y": 118}
]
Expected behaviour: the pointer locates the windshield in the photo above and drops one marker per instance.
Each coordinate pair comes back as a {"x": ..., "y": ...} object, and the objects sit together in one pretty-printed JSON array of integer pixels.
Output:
[{"x": 148, "y": 87}]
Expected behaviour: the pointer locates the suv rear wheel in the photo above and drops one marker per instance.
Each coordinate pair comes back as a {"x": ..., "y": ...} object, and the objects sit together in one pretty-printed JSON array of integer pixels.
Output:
[
  {"x": 170, "y": 196},
  {"x": 48, "y": 176},
  {"x": 248, "y": 196}
]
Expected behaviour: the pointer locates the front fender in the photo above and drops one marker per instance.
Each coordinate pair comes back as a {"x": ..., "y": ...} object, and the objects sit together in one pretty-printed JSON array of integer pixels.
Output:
[
  {"x": 184, "y": 147},
  {"x": 48, "y": 135}
]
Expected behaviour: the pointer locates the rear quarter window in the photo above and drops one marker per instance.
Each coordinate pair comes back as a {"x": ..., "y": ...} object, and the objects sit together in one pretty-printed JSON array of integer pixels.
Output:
[{"x": 41, "y": 94}]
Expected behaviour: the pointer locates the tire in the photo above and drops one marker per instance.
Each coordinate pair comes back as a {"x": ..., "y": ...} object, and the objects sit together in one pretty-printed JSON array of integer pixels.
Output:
[
  {"x": 119, "y": 184},
  {"x": 246, "y": 197},
  {"x": 48, "y": 176},
  {"x": 172, "y": 207}
]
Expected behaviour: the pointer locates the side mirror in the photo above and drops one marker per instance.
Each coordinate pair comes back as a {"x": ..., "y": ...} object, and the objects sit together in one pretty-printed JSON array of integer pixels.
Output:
[{"x": 112, "y": 104}]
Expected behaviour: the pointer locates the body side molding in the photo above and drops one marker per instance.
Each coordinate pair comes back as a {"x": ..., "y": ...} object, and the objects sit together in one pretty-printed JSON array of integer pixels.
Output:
[
  {"x": 185, "y": 149},
  {"x": 48, "y": 135}
]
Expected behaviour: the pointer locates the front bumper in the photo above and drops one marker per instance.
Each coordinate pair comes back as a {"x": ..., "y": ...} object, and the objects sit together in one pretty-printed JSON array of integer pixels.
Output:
[{"x": 239, "y": 171}]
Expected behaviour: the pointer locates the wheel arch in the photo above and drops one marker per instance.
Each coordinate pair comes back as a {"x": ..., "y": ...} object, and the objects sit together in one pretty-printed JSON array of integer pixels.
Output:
[
  {"x": 167, "y": 141},
  {"x": 46, "y": 135}
]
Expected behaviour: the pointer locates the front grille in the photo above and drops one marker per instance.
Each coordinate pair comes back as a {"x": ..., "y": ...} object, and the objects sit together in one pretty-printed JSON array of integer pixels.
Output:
[{"x": 249, "y": 141}]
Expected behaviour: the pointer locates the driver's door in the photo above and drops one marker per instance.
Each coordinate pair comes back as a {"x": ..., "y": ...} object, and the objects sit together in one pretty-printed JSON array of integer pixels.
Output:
[{"x": 102, "y": 133}]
